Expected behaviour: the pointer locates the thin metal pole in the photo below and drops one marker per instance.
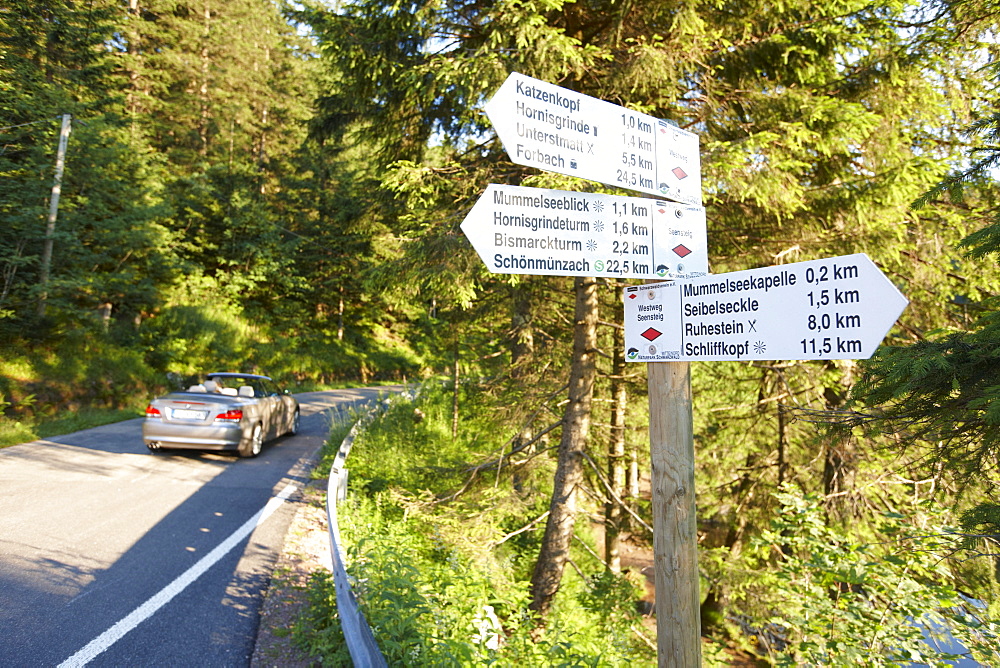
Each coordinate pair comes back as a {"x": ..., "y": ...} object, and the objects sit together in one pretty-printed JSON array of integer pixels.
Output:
[{"x": 50, "y": 227}]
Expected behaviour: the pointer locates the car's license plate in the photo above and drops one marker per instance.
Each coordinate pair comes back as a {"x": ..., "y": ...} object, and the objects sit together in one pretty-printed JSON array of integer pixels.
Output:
[{"x": 188, "y": 414}]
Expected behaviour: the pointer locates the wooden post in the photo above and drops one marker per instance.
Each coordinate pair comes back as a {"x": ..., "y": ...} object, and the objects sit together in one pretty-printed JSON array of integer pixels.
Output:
[{"x": 675, "y": 540}]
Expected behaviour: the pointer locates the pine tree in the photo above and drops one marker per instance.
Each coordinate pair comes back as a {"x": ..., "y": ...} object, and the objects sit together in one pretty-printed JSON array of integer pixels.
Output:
[
  {"x": 221, "y": 91},
  {"x": 942, "y": 392},
  {"x": 108, "y": 249}
]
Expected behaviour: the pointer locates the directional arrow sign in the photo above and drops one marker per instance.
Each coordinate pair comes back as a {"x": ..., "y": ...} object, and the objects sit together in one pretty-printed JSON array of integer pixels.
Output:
[
  {"x": 552, "y": 128},
  {"x": 837, "y": 308},
  {"x": 519, "y": 230}
]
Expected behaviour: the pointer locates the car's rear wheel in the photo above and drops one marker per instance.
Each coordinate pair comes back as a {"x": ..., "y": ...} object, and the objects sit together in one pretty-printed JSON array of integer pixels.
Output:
[
  {"x": 295, "y": 424},
  {"x": 253, "y": 446}
]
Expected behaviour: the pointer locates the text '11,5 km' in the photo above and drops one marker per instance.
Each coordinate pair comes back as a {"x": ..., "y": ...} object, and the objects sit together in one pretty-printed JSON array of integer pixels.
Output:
[{"x": 834, "y": 308}]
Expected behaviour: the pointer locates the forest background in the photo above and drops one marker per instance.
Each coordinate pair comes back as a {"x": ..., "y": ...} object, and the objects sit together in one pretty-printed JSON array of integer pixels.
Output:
[{"x": 278, "y": 187}]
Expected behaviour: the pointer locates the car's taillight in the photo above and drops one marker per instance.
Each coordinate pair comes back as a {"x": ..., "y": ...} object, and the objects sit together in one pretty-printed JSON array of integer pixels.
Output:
[
  {"x": 152, "y": 411},
  {"x": 232, "y": 415}
]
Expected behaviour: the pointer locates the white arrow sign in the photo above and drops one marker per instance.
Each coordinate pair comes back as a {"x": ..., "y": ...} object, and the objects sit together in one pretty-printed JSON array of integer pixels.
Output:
[
  {"x": 520, "y": 230},
  {"x": 836, "y": 308},
  {"x": 552, "y": 128}
]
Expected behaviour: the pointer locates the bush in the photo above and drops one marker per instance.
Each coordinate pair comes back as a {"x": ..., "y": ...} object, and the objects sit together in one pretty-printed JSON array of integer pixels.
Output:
[
  {"x": 435, "y": 577},
  {"x": 838, "y": 602}
]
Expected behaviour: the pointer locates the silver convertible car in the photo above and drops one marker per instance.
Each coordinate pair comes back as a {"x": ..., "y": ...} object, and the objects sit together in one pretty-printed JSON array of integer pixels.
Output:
[{"x": 227, "y": 411}]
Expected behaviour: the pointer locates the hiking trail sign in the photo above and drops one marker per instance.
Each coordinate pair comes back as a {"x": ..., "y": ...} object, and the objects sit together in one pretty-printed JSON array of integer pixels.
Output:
[
  {"x": 834, "y": 308},
  {"x": 558, "y": 130},
  {"x": 519, "y": 230}
]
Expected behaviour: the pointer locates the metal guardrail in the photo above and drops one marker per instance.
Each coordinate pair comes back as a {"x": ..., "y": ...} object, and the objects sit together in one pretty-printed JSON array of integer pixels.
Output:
[{"x": 357, "y": 634}]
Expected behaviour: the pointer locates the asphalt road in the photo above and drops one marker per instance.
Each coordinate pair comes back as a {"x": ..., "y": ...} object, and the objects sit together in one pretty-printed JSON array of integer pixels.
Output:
[{"x": 113, "y": 556}]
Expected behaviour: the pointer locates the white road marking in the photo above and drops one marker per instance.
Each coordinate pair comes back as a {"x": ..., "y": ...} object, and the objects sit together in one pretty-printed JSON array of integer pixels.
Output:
[{"x": 165, "y": 595}]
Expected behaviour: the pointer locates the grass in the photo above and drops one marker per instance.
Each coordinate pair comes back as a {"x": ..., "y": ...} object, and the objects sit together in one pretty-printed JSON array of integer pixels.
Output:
[
  {"x": 90, "y": 378},
  {"x": 14, "y": 431}
]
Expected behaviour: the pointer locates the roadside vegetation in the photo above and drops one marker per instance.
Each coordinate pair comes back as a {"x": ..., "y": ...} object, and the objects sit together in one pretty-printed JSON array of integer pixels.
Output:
[
  {"x": 441, "y": 534},
  {"x": 441, "y": 537}
]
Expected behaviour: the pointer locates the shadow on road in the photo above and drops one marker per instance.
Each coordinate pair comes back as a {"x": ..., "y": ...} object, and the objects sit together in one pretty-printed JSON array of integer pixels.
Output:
[{"x": 117, "y": 524}]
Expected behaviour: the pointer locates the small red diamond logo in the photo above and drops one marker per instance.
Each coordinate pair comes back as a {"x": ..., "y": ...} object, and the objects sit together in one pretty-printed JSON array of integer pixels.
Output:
[
  {"x": 679, "y": 173},
  {"x": 651, "y": 334},
  {"x": 682, "y": 250},
  {"x": 632, "y": 295}
]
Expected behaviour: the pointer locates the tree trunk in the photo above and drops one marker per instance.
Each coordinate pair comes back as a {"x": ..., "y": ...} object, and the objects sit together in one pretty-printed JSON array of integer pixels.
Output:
[
  {"x": 782, "y": 445},
  {"x": 613, "y": 512},
  {"x": 340, "y": 315},
  {"x": 715, "y": 597},
  {"x": 134, "y": 50},
  {"x": 554, "y": 552},
  {"x": 632, "y": 472},
  {"x": 454, "y": 389},
  {"x": 840, "y": 464},
  {"x": 203, "y": 84},
  {"x": 522, "y": 350},
  {"x": 839, "y": 468}
]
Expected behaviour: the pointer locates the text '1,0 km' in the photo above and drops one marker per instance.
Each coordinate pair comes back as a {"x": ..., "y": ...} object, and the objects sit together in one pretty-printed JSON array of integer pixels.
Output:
[
  {"x": 552, "y": 128},
  {"x": 520, "y": 230},
  {"x": 835, "y": 308}
]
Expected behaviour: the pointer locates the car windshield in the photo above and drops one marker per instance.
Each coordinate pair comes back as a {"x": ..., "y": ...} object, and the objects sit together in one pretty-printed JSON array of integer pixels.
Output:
[{"x": 261, "y": 387}]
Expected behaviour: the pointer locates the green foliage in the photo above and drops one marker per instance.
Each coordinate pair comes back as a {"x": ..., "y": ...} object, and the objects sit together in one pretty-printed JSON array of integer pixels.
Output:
[
  {"x": 184, "y": 339},
  {"x": 837, "y": 601},
  {"x": 416, "y": 438},
  {"x": 13, "y": 432},
  {"x": 433, "y": 568},
  {"x": 84, "y": 382},
  {"x": 317, "y": 629},
  {"x": 191, "y": 197},
  {"x": 942, "y": 391},
  {"x": 981, "y": 529},
  {"x": 108, "y": 246},
  {"x": 611, "y": 598},
  {"x": 940, "y": 396},
  {"x": 819, "y": 125},
  {"x": 241, "y": 196}
]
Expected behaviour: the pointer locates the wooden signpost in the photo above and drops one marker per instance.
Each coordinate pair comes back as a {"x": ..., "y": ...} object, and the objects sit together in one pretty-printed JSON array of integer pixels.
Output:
[{"x": 837, "y": 308}]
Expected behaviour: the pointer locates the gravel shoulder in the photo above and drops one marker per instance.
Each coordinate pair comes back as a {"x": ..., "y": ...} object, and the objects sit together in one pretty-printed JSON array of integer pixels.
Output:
[{"x": 307, "y": 550}]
